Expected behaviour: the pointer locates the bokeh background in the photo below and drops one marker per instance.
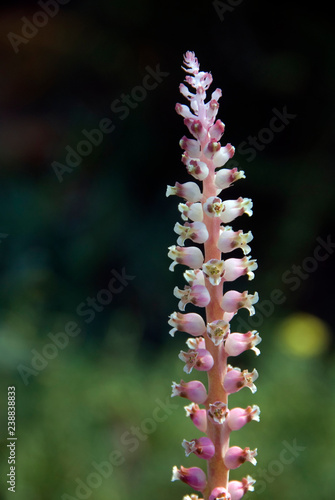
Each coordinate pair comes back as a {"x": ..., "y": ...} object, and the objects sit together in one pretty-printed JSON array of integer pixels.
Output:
[{"x": 102, "y": 399}]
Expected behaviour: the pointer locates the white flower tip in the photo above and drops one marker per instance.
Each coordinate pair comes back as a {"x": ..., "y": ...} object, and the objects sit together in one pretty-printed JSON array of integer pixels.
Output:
[
  {"x": 172, "y": 331},
  {"x": 170, "y": 190},
  {"x": 175, "y": 474}
]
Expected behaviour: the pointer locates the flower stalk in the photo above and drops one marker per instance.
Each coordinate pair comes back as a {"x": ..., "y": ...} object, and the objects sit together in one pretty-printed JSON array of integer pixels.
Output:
[{"x": 205, "y": 216}]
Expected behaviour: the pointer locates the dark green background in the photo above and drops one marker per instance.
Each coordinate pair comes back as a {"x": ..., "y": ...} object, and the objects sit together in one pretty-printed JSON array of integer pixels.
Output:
[{"x": 110, "y": 213}]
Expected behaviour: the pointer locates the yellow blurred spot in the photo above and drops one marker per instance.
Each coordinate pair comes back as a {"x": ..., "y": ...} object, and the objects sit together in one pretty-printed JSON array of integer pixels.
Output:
[{"x": 304, "y": 335}]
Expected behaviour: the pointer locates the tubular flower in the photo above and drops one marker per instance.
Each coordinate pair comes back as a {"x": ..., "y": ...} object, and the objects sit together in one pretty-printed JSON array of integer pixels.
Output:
[
  {"x": 190, "y": 256},
  {"x": 197, "y": 295},
  {"x": 204, "y": 218},
  {"x": 197, "y": 415},
  {"x": 235, "y": 380},
  {"x": 238, "y": 489},
  {"x": 235, "y": 457},
  {"x": 200, "y": 359},
  {"x": 191, "y": 323},
  {"x": 194, "y": 391},
  {"x": 229, "y": 240},
  {"x": 238, "y": 417},
  {"x": 236, "y": 343},
  {"x": 202, "y": 447},
  {"x": 194, "y": 477},
  {"x": 220, "y": 493},
  {"x": 195, "y": 231}
]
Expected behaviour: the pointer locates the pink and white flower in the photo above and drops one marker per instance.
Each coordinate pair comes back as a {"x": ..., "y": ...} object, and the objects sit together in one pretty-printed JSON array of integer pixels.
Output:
[
  {"x": 225, "y": 177},
  {"x": 220, "y": 493},
  {"x": 217, "y": 331},
  {"x": 189, "y": 256},
  {"x": 197, "y": 415},
  {"x": 197, "y": 295},
  {"x": 191, "y": 323},
  {"x": 202, "y": 448},
  {"x": 235, "y": 208},
  {"x": 218, "y": 411},
  {"x": 238, "y": 417},
  {"x": 233, "y": 301},
  {"x": 235, "y": 457},
  {"x": 236, "y": 343},
  {"x": 215, "y": 270},
  {"x": 235, "y": 380},
  {"x": 194, "y": 477},
  {"x": 238, "y": 489},
  {"x": 190, "y": 191},
  {"x": 199, "y": 359},
  {"x": 229, "y": 240},
  {"x": 194, "y": 391},
  {"x": 195, "y": 231},
  {"x": 234, "y": 268}
]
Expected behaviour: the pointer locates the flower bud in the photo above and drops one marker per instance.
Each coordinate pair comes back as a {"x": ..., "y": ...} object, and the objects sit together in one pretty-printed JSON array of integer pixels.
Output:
[
  {"x": 235, "y": 208},
  {"x": 217, "y": 331},
  {"x": 216, "y": 131},
  {"x": 217, "y": 94},
  {"x": 197, "y": 295},
  {"x": 218, "y": 411},
  {"x": 211, "y": 148},
  {"x": 235, "y": 457},
  {"x": 238, "y": 417},
  {"x": 191, "y": 323},
  {"x": 189, "y": 190},
  {"x": 189, "y": 256},
  {"x": 220, "y": 493},
  {"x": 233, "y": 300},
  {"x": 234, "y": 268},
  {"x": 236, "y": 343},
  {"x": 197, "y": 415},
  {"x": 212, "y": 108},
  {"x": 238, "y": 489},
  {"x": 194, "y": 477},
  {"x": 191, "y": 146},
  {"x": 196, "y": 128},
  {"x": 195, "y": 231},
  {"x": 229, "y": 240},
  {"x": 183, "y": 110},
  {"x": 194, "y": 391},
  {"x": 225, "y": 177},
  {"x": 185, "y": 92},
  {"x": 235, "y": 380},
  {"x": 202, "y": 448},
  {"x": 199, "y": 359}
]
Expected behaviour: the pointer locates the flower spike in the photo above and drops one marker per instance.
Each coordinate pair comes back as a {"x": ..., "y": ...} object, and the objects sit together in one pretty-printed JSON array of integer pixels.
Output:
[{"x": 203, "y": 240}]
